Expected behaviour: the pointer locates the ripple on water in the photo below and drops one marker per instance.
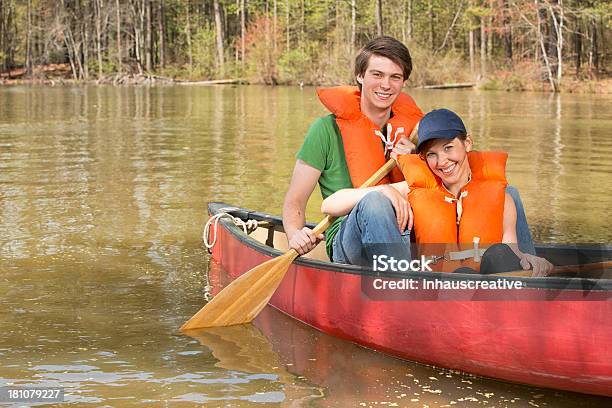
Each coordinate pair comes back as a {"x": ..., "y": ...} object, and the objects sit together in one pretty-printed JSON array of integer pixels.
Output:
[{"x": 259, "y": 397}]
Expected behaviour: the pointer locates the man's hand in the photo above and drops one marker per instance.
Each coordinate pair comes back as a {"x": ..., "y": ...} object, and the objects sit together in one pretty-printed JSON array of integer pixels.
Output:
[
  {"x": 302, "y": 184},
  {"x": 304, "y": 240},
  {"x": 403, "y": 211},
  {"x": 541, "y": 266},
  {"x": 403, "y": 146}
]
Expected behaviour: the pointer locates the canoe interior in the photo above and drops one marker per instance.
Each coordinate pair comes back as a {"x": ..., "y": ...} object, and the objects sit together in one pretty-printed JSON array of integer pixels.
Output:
[{"x": 271, "y": 234}]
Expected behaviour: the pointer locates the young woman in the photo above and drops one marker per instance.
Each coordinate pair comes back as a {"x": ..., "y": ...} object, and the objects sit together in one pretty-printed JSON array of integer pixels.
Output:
[{"x": 451, "y": 195}]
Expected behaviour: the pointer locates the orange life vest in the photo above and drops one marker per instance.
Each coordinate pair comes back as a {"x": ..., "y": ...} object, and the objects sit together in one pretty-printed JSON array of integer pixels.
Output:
[
  {"x": 363, "y": 149},
  {"x": 442, "y": 218}
]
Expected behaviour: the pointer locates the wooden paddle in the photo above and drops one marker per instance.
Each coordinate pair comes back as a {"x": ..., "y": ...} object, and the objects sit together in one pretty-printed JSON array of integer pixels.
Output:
[
  {"x": 557, "y": 270},
  {"x": 243, "y": 299}
]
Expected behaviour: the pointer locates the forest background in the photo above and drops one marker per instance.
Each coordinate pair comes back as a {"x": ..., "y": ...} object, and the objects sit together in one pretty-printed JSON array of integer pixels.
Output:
[{"x": 556, "y": 45}]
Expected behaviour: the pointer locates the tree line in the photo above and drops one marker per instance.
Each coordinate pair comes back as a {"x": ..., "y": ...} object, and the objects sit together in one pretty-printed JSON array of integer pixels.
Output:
[{"x": 299, "y": 41}]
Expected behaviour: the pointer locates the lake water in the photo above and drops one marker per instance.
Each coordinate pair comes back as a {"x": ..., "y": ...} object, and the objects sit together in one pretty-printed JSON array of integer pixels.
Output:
[{"x": 103, "y": 194}]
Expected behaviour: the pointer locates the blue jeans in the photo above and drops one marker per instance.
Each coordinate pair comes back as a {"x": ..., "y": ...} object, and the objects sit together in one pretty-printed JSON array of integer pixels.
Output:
[
  {"x": 523, "y": 236},
  {"x": 372, "y": 225},
  {"x": 370, "y": 229}
]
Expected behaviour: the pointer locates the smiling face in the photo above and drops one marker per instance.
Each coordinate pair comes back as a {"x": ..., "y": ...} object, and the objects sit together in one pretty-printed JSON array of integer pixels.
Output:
[
  {"x": 447, "y": 159},
  {"x": 381, "y": 84}
]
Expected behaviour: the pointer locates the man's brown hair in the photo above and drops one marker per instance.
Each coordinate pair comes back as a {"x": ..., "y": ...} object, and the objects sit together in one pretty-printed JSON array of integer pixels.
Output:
[{"x": 387, "y": 47}]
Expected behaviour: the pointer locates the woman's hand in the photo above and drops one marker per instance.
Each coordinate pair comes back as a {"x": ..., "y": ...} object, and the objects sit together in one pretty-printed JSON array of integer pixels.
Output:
[
  {"x": 403, "y": 211},
  {"x": 403, "y": 146},
  {"x": 541, "y": 266}
]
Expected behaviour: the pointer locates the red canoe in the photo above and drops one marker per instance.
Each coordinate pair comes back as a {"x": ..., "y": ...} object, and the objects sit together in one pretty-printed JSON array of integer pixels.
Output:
[{"x": 551, "y": 332}]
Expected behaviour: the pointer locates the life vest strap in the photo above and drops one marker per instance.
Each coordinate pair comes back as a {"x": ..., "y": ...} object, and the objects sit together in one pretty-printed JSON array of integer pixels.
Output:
[
  {"x": 388, "y": 141},
  {"x": 459, "y": 203}
]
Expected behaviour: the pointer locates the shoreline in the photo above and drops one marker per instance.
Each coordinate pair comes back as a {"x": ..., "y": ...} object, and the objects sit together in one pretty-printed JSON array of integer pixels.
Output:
[{"x": 59, "y": 75}]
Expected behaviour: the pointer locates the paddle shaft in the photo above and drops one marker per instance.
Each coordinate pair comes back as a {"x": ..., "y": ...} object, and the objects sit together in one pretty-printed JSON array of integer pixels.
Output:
[
  {"x": 558, "y": 270},
  {"x": 414, "y": 135},
  {"x": 322, "y": 226}
]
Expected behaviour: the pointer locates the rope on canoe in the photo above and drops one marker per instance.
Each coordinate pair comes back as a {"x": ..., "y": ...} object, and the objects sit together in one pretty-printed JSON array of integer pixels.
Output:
[
  {"x": 247, "y": 227},
  {"x": 208, "y": 295}
]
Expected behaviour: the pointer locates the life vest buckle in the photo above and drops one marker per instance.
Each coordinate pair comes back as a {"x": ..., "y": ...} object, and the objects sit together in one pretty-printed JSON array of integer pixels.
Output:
[{"x": 434, "y": 259}]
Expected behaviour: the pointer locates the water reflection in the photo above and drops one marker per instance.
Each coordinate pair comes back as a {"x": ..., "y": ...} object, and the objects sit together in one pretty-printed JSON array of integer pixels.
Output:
[
  {"x": 349, "y": 375},
  {"x": 103, "y": 194},
  {"x": 244, "y": 348}
]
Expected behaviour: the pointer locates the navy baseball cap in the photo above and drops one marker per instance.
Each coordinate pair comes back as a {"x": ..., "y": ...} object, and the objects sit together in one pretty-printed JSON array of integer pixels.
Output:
[{"x": 439, "y": 124}]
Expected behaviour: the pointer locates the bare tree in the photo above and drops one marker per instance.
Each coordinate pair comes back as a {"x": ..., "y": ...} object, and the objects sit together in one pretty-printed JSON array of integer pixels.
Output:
[
  {"x": 243, "y": 33},
  {"x": 2, "y": 34},
  {"x": 432, "y": 28},
  {"x": 483, "y": 48},
  {"x": 161, "y": 30},
  {"x": 220, "y": 39},
  {"x": 409, "y": 20},
  {"x": 149, "y": 36},
  {"x": 302, "y": 38},
  {"x": 353, "y": 23},
  {"x": 84, "y": 34},
  {"x": 594, "y": 49},
  {"x": 118, "y": 31},
  {"x": 471, "y": 39},
  {"x": 99, "y": 6},
  {"x": 71, "y": 28},
  {"x": 379, "y": 18},
  {"x": 557, "y": 16},
  {"x": 287, "y": 23},
  {"x": 137, "y": 28},
  {"x": 28, "y": 56},
  {"x": 450, "y": 27},
  {"x": 553, "y": 86},
  {"x": 507, "y": 21},
  {"x": 188, "y": 35},
  {"x": 577, "y": 44},
  {"x": 274, "y": 27}
]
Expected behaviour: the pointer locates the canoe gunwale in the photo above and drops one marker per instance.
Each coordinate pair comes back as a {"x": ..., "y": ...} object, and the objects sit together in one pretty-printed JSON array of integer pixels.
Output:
[{"x": 552, "y": 283}]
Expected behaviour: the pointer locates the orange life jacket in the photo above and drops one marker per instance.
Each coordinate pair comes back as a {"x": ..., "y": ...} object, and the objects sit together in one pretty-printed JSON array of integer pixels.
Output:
[
  {"x": 442, "y": 218},
  {"x": 363, "y": 149}
]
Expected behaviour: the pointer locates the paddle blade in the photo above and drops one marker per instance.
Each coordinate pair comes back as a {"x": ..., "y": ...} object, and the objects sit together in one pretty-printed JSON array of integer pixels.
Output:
[{"x": 242, "y": 300}]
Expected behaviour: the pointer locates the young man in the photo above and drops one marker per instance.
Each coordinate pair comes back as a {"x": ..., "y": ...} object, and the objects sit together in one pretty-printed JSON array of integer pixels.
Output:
[{"x": 344, "y": 148}]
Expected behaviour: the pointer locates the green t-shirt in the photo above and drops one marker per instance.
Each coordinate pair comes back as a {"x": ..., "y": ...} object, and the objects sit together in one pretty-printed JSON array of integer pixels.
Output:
[{"x": 323, "y": 150}]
